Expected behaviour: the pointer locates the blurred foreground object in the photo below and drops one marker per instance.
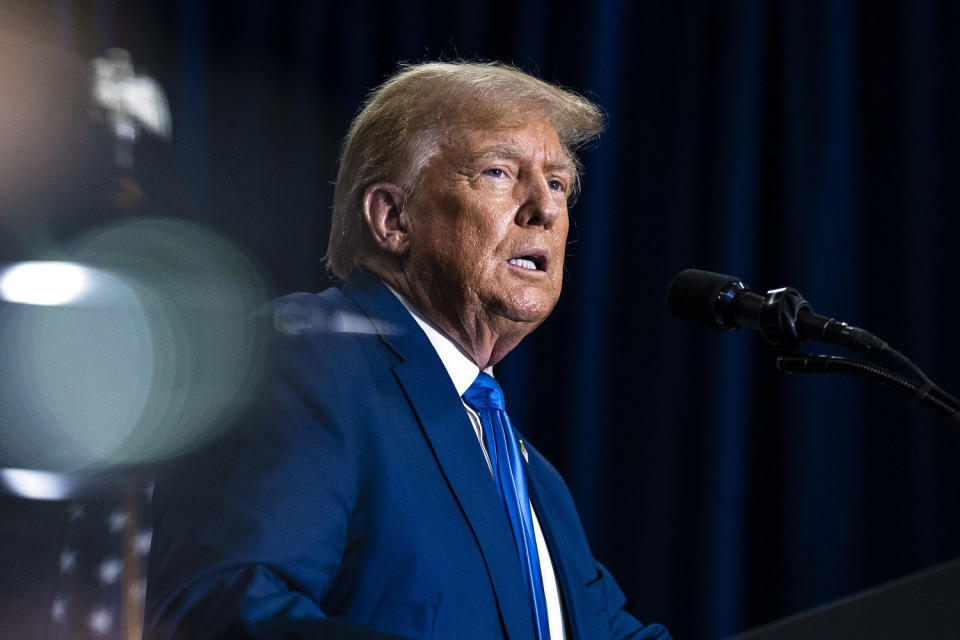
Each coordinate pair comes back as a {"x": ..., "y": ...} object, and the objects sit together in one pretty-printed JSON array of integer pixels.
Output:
[
  {"x": 129, "y": 103},
  {"x": 52, "y": 157},
  {"x": 68, "y": 129},
  {"x": 74, "y": 566},
  {"x": 132, "y": 351},
  {"x": 123, "y": 337},
  {"x": 126, "y": 345}
]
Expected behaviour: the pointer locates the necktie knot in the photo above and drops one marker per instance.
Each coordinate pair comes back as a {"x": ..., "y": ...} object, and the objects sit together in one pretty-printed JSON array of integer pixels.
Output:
[{"x": 484, "y": 393}]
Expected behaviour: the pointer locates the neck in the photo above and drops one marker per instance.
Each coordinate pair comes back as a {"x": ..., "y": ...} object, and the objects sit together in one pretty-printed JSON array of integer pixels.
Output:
[{"x": 480, "y": 334}]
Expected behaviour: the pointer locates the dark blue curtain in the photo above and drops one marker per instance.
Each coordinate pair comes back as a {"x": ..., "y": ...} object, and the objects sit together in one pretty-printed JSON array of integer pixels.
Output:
[{"x": 795, "y": 143}]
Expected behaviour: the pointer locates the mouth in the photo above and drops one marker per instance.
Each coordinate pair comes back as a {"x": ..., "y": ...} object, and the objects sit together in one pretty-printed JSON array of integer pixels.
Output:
[{"x": 535, "y": 261}]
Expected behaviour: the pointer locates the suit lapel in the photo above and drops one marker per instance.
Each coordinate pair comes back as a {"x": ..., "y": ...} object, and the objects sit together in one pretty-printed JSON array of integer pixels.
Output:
[
  {"x": 443, "y": 419},
  {"x": 571, "y": 578}
]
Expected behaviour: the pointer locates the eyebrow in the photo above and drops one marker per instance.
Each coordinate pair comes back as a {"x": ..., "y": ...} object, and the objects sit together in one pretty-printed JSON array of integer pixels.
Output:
[{"x": 562, "y": 162}]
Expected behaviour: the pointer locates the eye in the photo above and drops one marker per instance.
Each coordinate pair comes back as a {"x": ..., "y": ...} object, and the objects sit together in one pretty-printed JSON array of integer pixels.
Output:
[
  {"x": 494, "y": 172},
  {"x": 556, "y": 185}
]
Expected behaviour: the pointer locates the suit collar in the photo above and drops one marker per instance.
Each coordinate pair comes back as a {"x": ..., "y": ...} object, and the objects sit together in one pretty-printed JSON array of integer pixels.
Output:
[
  {"x": 396, "y": 327},
  {"x": 444, "y": 422}
]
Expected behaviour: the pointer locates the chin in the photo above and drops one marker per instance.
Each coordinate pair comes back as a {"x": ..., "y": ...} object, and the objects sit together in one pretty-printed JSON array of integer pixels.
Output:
[{"x": 528, "y": 308}]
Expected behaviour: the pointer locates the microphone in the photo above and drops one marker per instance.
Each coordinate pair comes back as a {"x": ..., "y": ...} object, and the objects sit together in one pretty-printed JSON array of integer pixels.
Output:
[
  {"x": 783, "y": 317},
  {"x": 786, "y": 321}
]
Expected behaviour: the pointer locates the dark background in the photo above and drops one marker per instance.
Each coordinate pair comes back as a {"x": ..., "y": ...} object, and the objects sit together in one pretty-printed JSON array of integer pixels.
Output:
[{"x": 795, "y": 143}]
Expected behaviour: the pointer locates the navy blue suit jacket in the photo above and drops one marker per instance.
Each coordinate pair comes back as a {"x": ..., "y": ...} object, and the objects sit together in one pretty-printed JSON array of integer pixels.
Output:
[{"x": 357, "y": 501}]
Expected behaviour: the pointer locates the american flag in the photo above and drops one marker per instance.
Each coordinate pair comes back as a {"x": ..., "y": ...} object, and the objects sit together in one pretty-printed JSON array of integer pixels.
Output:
[{"x": 75, "y": 569}]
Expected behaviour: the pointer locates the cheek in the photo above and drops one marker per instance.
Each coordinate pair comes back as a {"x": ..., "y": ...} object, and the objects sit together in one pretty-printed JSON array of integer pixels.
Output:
[
  {"x": 485, "y": 236},
  {"x": 467, "y": 256},
  {"x": 561, "y": 243}
]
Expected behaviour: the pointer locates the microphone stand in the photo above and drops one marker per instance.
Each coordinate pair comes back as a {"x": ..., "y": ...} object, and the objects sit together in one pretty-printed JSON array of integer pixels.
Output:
[
  {"x": 786, "y": 321},
  {"x": 926, "y": 392}
]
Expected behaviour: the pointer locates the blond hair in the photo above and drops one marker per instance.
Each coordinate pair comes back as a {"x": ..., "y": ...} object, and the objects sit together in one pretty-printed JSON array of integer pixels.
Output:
[{"x": 407, "y": 119}]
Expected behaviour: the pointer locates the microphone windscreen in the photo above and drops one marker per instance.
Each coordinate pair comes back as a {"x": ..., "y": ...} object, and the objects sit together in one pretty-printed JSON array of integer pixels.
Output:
[{"x": 694, "y": 295}]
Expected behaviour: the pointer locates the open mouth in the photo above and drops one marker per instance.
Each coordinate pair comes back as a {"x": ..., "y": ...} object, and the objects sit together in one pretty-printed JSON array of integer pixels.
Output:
[{"x": 531, "y": 262}]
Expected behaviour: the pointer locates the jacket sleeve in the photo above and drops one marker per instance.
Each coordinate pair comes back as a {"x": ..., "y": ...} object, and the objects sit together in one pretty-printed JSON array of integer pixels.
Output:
[{"x": 622, "y": 624}]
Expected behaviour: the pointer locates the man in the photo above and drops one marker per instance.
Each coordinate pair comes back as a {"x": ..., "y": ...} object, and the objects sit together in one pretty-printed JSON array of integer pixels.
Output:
[{"x": 373, "y": 491}]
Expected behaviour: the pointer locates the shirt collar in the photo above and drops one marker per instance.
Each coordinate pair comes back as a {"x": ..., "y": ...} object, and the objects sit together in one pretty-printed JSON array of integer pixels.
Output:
[{"x": 460, "y": 368}]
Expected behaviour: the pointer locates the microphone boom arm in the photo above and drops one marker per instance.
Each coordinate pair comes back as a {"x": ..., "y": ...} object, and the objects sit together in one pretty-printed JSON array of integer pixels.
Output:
[{"x": 926, "y": 393}]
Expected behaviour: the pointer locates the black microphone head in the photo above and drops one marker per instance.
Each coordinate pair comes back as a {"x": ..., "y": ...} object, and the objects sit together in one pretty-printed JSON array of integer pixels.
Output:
[{"x": 699, "y": 296}]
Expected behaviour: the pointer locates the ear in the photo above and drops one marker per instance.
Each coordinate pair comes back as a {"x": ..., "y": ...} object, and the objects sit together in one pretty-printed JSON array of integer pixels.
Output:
[{"x": 383, "y": 211}]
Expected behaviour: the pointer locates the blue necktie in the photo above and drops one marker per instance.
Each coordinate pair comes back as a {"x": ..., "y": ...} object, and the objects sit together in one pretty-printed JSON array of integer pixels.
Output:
[{"x": 485, "y": 396}]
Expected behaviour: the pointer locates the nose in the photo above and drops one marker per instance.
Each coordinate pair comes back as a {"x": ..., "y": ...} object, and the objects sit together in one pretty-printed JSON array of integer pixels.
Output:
[{"x": 541, "y": 206}]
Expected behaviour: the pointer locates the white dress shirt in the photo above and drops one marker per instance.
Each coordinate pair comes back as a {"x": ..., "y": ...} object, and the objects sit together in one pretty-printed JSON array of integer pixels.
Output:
[{"x": 463, "y": 372}]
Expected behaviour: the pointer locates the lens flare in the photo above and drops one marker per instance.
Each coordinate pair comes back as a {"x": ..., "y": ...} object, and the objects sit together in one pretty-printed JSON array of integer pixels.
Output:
[{"x": 135, "y": 350}]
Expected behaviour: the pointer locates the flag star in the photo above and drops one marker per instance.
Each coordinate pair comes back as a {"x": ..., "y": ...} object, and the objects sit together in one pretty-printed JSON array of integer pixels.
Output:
[
  {"x": 68, "y": 561},
  {"x": 109, "y": 570},
  {"x": 59, "y": 610},
  {"x": 117, "y": 520},
  {"x": 77, "y": 511},
  {"x": 142, "y": 543},
  {"x": 100, "y": 621}
]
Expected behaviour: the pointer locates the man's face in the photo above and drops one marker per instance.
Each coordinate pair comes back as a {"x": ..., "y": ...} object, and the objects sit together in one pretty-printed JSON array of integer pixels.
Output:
[{"x": 488, "y": 225}]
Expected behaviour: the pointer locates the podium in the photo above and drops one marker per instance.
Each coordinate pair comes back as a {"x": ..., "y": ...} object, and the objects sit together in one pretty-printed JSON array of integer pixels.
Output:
[{"x": 921, "y": 606}]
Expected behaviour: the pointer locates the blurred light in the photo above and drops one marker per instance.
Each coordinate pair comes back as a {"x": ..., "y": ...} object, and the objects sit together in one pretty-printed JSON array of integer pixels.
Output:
[
  {"x": 296, "y": 316},
  {"x": 44, "y": 283},
  {"x": 36, "y": 485},
  {"x": 152, "y": 357}
]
